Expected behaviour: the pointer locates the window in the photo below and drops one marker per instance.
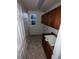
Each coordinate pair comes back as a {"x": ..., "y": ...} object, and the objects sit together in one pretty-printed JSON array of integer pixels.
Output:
[{"x": 33, "y": 19}]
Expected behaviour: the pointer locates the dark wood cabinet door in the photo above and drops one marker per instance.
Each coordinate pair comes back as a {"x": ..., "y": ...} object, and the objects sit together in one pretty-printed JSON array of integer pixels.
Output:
[
  {"x": 44, "y": 19},
  {"x": 57, "y": 18},
  {"x": 47, "y": 49},
  {"x": 52, "y": 18}
]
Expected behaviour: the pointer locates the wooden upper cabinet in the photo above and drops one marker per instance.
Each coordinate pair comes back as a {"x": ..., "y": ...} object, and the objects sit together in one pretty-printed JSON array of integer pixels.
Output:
[
  {"x": 58, "y": 18},
  {"x": 45, "y": 19},
  {"x": 52, "y": 18}
]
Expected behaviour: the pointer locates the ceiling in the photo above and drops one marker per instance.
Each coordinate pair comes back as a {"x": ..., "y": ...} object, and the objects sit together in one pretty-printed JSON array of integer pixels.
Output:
[{"x": 39, "y": 5}]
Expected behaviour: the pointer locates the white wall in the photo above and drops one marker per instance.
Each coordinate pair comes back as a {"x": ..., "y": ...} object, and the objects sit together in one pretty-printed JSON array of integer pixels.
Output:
[
  {"x": 57, "y": 48},
  {"x": 35, "y": 29},
  {"x": 21, "y": 35},
  {"x": 26, "y": 24}
]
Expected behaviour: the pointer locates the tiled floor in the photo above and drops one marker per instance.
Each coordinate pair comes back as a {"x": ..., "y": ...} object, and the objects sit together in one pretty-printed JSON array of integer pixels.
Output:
[{"x": 35, "y": 49}]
